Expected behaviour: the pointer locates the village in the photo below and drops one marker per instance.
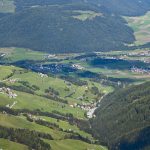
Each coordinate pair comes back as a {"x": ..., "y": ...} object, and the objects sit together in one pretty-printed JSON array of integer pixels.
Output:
[
  {"x": 140, "y": 70},
  {"x": 140, "y": 53},
  {"x": 10, "y": 94},
  {"x": 88, "y": 107},
  {"x": 35, "y": 118}
]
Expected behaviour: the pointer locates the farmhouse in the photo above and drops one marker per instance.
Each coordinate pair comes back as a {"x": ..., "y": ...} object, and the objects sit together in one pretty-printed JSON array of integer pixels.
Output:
[
  {"x": 8, "y": 91},
  {"x": 77, "y": 66},
  {"x": 42, "y": 75}
]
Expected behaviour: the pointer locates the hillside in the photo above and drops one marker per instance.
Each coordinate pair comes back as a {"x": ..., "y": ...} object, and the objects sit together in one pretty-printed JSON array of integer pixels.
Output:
[
  {"x": 52, "y": 97},
  {"x": 44, "y": 112},
  {"x": 122, "y": 121},
  {"x": 124, "y": 7},
  {"x": 59, "y": 28},
  {"x": 119, "y": 7}
]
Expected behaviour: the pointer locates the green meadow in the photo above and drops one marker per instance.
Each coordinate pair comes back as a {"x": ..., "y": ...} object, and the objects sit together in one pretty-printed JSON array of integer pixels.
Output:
[
  {"x": 9, "y": 145},
  {"x": 20, "y": 122},
  {"x": 17, "y": 54},
  {"x": 141, "y": 27},
  {"x": 85, "y": 15},
  {"x": 73, "y": 145},
  {"x": 36, "y": 101},
  {"x": 7, "y": 6}
]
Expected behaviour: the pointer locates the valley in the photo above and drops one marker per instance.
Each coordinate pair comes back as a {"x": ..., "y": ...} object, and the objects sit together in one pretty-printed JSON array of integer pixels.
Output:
[
  {"x": 74, "y": 75},
  {"x": 58, "y": 94}
]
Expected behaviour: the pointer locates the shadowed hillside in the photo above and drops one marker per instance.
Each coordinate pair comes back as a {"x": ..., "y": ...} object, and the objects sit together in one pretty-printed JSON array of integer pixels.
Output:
[{"x": 123, "y": 120}]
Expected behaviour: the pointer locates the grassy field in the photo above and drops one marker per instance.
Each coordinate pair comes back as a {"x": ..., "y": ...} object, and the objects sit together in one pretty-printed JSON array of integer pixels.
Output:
[
  {"x": 38, "y": 102},
  {"x": 5, "y": 71},
  {"x": 84, "y": 15},
  {"x": 7, "y": 6},
  {"x": 141, "y": 27},
  {"x": 65, "y": 125},
  {"x": 16, "y": 54},
  {"x": 21, "y": 122},
  {"x": 33, "y": 102},
  {"x": 116, "y": 73},
  {"x": 8, "y": 145},
  {"x": 61, "y": 86},
  {"x": 73, "y": 145}
]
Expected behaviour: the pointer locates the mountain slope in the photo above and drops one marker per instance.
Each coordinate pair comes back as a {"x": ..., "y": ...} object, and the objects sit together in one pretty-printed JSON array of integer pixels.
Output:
[
  {"x": 59, "y": 26},
  {"x": 120, "y": 7},
  {"x": 123, "y": 120},
  {"x": 124, "y": 7},
  {"x": 35, "y": 112},
  {"x": 73, "y": 28}
]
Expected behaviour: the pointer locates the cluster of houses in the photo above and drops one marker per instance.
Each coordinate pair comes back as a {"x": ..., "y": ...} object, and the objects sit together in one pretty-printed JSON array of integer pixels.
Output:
[
  {"x": 12, "y": 80},
  {"x": 140, "y": 70},
  {"x": 89, "y": 107},
  {"x": 140, "y": 53},
  {"x": 54, "y": 68},
  {"x": 77, "y": 66},
  {"x": 34, "y": 118},
  {"x": 144, "y": 53},
  {"x": 84, "y": 106},
  {"x": 8, "y": 91},
  {"x": 50, "y": 56},
  {"x": 43, "y": 75}
]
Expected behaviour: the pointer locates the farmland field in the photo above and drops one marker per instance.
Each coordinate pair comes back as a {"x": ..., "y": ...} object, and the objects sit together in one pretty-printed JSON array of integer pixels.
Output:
[
  {"x": 21, "y": 122},
  {"x": 8, "y": 145},
  {"x": 7, "y": 6},
  {"x": 141, "y": 28},
  {"x": 85, "y": 15},
  {"x": 73, "y": 145},
  {"x": 16, "y": 54}
]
